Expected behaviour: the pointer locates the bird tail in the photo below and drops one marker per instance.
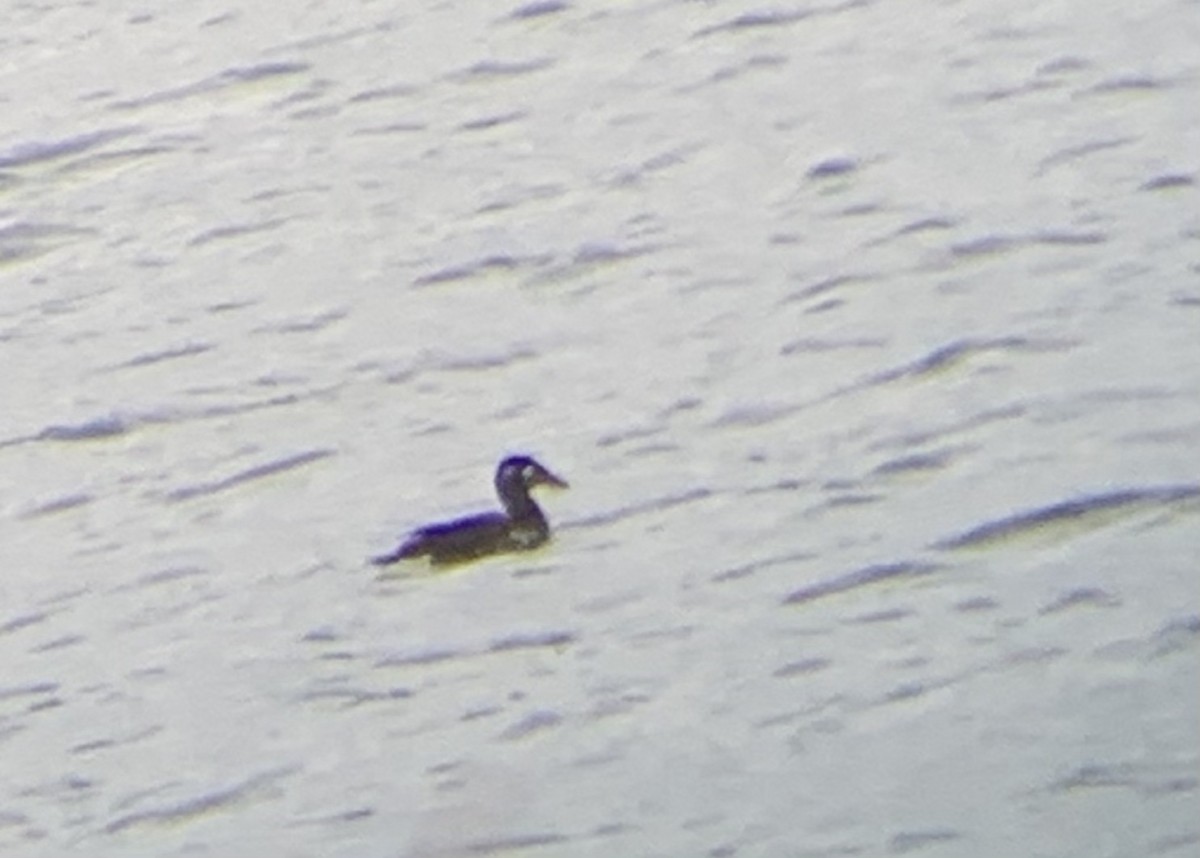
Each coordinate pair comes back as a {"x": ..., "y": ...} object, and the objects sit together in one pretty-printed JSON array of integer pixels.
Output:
[{"x": 408, "y": 548}]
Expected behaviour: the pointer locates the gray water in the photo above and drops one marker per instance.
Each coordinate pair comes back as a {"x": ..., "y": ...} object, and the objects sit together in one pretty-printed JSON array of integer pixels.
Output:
[{"x": 866, "y": 333}]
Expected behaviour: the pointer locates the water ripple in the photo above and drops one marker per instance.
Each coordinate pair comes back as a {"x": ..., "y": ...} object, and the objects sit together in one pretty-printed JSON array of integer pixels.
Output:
[
  {"x": 637, "y": 509},
  {"x": 202, "y": 804},
  {"x": 538, "y": 9},
  {"x": 267, "y": 469},
  {"x": 553, "y": 639},
  {"x": 1168, "y": 182},
  {"x": 36, "y": 151},
  {"x": 107, "y": 426},
  {"x": 859, "y": 578},
  {"x": 234, "y": 77},
  {"x": 1083, "y": 510},
  {"x": 474, "y": 268},
  {"x": 911, "y": 841},
  {"x": 534, "y": 722},
  {"x": 755, "y": 20},
  {"x": 23, "y": 241},
  {"x": 58, "y": 504},
  {"x": 755, "y": 566},
  {"x": 489, "y": 69},
  {"x": 21, "y": 622},
  {"x": 518, "y": 843}
]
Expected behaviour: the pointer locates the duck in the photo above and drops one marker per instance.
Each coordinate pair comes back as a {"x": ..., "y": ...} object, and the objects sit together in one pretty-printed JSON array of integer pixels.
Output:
[{"x": 522, "y": 526}]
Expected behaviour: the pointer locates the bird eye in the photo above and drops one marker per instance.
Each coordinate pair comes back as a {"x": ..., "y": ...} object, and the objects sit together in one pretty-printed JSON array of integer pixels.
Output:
[{"x": 528, "y": 472}]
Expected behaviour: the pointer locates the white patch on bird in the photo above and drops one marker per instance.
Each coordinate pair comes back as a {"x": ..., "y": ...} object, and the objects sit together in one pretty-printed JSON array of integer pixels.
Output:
[
  {"x": 524, "y": 538},
  {"x": 528, "y": 472}
]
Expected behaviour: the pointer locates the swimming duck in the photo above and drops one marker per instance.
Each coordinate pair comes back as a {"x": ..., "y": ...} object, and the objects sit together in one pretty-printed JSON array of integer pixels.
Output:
[{"x": 521, "y": 527}]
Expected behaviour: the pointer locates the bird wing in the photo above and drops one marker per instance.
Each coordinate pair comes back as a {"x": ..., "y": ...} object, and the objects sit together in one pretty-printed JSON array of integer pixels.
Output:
[{"x": 461, "y": 539}]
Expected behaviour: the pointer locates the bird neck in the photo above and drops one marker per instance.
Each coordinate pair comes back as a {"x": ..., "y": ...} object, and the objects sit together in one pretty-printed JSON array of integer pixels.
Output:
[{"x": 516, "y": 500}]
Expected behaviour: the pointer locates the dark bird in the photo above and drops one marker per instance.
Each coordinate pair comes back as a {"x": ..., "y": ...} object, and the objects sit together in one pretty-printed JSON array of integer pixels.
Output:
[{"x": 521, "y": 527}]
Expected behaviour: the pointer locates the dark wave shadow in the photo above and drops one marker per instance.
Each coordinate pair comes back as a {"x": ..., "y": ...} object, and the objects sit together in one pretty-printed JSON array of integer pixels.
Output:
[
  {"x": 267, "y": 469},
  {"x": 860, "y": 578},
  {"x": 1089, "y": 509}
]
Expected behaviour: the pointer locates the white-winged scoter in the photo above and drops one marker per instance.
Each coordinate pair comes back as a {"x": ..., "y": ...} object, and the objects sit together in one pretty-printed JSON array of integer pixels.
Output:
[{"x": 521, "y": 527}]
